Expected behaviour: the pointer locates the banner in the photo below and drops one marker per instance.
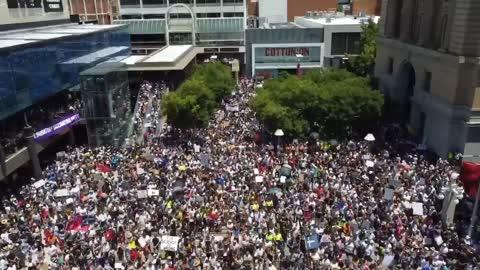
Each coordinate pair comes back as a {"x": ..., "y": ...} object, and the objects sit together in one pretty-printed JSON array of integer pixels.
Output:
[
  {"x": 169, "y": 243},
  {"x": 57, "y": 128}
]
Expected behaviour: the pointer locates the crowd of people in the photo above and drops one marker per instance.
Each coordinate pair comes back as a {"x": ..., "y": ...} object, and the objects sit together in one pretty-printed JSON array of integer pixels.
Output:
[
  {"x": 224, "y": 197},
  {"x": 147, "y": 111}
]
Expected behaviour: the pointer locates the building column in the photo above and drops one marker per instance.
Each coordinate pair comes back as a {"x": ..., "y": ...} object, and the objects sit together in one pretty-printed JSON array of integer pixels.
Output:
[
  {"x": 71, "y": 137},
  {"x": 32, "y": 151}
]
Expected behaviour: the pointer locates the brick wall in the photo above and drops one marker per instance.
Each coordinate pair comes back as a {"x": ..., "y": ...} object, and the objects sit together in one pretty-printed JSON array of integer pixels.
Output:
[
  {"x": 300, "y": 7},
  {"x": 369, "y": 7},
  {"x": 103, "y": 17},
  {"x": 252, "y": 7}
]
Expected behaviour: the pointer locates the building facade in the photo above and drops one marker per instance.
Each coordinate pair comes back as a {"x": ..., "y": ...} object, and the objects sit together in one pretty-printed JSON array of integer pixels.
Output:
[
  {"x": 31, "y": 13},
  {"x": 283, "y": 11},
  {"x": 428, "y": 68},
  {"x": 101, "y": 11},
  {"x": 313, "y": 41}
]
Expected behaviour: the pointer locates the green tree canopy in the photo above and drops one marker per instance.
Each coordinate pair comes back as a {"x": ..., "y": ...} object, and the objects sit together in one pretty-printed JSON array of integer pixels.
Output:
[
  {"x": 330, "y": 98},
  {"x": 190, "y": 106},
  {"x": 363, "y": 64},
  {"x": 217, "y": 77}
]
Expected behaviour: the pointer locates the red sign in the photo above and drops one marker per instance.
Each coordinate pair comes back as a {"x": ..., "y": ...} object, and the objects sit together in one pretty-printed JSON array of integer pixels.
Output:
[{"x": 287, "y": 51}]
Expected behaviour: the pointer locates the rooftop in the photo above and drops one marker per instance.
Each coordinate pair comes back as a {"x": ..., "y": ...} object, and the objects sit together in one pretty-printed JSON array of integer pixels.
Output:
[
  {"x": 10, "y": 39},
  {"x": 333, "y": 19},
  {"x": 169, "y": 54}
]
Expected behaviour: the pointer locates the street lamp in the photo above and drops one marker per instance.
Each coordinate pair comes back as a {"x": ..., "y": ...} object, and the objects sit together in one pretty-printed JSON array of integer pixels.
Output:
[{"x": 278, "y": 133}]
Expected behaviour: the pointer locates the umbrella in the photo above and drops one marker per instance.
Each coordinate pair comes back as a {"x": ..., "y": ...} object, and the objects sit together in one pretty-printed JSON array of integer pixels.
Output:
[
  {"x": 369, "y": 137},
  {"x": 333, "y": 142},
  {"x": 182, "y": 167},
  {"x": 275, "y": 190}
]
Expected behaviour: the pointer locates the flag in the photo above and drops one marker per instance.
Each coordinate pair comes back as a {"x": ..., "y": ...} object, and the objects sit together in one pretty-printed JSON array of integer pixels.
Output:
[
  {"x": 80, "y": 223},
  {"x": 312, "y": 242},
  {"x": 470, "y": 177},
  {"x": 49, "y": 237}
]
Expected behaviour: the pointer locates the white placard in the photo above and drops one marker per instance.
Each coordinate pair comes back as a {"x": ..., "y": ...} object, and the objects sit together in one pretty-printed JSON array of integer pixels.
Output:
[
  {"x": 39, "y": 183},
  {"x": 256, "y": 171},
  {"x": 366, "y": 157},
  {"x": 325, "y": 239},
  {"x": 388, "y": 195},
  {"x": 153, "y": 192},
  {"x": 142, "y": 242},
  {"x": 196, "y": 148},
  {"x": 140, "y": 171},
  {"x": 387, "y": 261},
  {"x": 61, "y": 193},
  {"x": 439, "y": 240},
  {"x": 369, "y": 163},
  {"x": 406, "y": 204},
  {"x": 259, "y": 179},
  {"x": 283, "y": 179},
  {"x": 169, "y": 243},
  {"x": 118, "y": 266},
  {"x": 142, "y": 194},
  {"x": 69, "y": 201},
  {"x": 417, "y": 208}
]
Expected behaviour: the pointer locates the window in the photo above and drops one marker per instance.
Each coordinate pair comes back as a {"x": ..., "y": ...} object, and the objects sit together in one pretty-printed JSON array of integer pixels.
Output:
[
  {"x": 154, "y": 2},
  {"x": 345, "y": 43},
  {"x": 131, "y": 17},
  {"x": 226, "y": 2},
  {"x": 208, "y": 2},
  {"x": 427, "y": 81},
  {"x": 153, "y": 16},
  {"x": 232, "y": 14},
  {"x": 443, "y": 32},
  {"x": 129, "y": 3},
  {"x": 390, "y": 65},
  {"x": 181, "y": 2},
  {"x": 208, "y": 15}
]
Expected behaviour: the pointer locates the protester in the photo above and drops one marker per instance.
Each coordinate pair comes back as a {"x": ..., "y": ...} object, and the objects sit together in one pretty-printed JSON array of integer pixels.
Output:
[{"x": 233, "y": 202}]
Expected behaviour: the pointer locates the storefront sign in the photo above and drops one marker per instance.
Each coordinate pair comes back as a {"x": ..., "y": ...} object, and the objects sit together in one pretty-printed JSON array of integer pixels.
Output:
[
  {"x": 52, "y": 5},
  {"x": 58, "y": 127},
  {"x": 287, "y": 54},
  {"x": 304, "y": 52}
]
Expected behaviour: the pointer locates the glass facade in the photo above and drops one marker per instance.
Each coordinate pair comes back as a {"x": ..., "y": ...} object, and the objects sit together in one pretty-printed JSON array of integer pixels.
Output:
[
  {"x": 345, "y": 43},
  {"x": 29, "y": 75},
  {"x": 106, "y": 96}
]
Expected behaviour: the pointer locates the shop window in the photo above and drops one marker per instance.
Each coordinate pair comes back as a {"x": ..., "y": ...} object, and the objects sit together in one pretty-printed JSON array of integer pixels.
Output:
[
  {"x": 208, "y": 15},
  {"x": 233, "y": 14},
  {"x": 345, "y": 43},
  {"x": 153, "y": 16}
]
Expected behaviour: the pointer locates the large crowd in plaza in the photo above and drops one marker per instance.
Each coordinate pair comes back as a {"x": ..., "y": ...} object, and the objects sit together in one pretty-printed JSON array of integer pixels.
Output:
[{"x": 225, "y": 197}]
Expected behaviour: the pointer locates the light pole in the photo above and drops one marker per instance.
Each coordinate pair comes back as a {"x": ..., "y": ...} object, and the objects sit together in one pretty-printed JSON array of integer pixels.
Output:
[{"x": 278, "y": 133}]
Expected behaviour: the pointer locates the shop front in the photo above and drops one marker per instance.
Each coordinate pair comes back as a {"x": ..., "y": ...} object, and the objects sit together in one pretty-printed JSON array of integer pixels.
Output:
[{"x": 270, "y": 60}]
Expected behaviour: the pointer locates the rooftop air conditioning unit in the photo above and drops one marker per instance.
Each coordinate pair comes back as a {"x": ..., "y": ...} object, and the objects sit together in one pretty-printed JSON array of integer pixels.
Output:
[
  {"x": 316, "y": 14},
  {"x": 309, "y": 14}
]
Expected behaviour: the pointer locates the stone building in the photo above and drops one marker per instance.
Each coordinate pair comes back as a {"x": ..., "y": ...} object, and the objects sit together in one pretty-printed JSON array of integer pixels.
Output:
[{"x": 428, "y": 67}]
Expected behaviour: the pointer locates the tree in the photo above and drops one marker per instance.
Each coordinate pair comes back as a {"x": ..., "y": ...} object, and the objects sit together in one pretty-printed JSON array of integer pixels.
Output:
[
  {"x": 192, "y": 105},
  {"x": 363, "y": 64},
  {"x": 331, "y": 99},
  {"x": 217, "y": 77}
]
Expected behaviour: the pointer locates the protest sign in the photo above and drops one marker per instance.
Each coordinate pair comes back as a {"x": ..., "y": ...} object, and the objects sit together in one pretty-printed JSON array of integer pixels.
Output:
[
  {"x": 259, "y": 179},
  {"x": 169, "y": 243},
  {"x": 39, "y": 183},
  {"x": 283, "y": 179},
  {"x": 153, "y": 192},
  {"x": 388, "y": 195},
  {"x": 141, "y": 194},
  {"x": 387, "y": 261},
  {"x": 61, "y": 193},
  {"x": 417, "y": 208}
]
